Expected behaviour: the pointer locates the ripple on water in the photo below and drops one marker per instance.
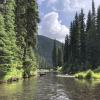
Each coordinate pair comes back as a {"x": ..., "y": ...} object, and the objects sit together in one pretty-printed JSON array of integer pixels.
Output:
[{"x": 60, "y": 95}]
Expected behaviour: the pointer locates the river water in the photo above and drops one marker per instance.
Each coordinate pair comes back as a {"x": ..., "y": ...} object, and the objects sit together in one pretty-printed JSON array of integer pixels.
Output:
[{"x": 50, "y": 87}]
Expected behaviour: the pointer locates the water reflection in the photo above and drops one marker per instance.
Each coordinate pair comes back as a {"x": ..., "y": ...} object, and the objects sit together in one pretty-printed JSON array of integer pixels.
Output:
[
  {"x": 81, "y": 89},
  {"x": 51, "y": 87}
]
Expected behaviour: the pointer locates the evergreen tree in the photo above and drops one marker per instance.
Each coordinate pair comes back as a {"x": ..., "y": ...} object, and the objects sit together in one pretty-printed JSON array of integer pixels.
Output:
[
  {"x": 60, "y": 57},
  {"x": 75, "y": 43},
  {"x": 82, "y": 39},
  {"x": 55, "y": 55},
  {"x": 30, "y": 39},
  {"x": 98, "y": 36},
  {"x": 20, "y": 13},
  {"x": 89, "y": 21},
  {"x": 66, "y": 49},
  {"x": 92, "y": 58},
  {"x": 18, "y": 30},
  {"x": 9, "y": 20},
  {"x": 5, "y": 56}
]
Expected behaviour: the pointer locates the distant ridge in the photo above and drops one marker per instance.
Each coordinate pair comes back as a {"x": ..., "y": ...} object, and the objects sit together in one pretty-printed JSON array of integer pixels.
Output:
[{"x": 45, "y": 46}]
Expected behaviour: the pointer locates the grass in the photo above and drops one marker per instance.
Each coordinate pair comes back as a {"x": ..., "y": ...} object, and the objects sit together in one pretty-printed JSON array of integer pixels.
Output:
[{"x": 88, "y": 75}]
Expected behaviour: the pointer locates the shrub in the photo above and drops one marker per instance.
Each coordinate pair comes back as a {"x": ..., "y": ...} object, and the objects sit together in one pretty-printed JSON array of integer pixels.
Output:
[
  {"x": 89, "y": 74},
  {"x": 59, "y": 69},
  {"x": 80, "y": 76}
]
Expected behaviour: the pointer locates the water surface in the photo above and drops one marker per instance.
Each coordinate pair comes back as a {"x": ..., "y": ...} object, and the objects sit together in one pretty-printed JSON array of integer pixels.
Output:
[{"x": 51, "y": 87}]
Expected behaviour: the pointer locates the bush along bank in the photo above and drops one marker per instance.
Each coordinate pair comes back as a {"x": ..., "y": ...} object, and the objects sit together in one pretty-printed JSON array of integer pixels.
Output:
[{"x": 88, "y": 75}]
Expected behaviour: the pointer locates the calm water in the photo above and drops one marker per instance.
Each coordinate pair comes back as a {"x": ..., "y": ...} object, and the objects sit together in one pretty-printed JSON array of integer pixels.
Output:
[{"x": 50, "y": 87}]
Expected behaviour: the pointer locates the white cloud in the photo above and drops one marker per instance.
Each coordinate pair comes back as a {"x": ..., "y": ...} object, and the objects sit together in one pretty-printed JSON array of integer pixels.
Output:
[
  {"x": 72, "y": 5},
  {"x": 55, "y": 10},
  {"x": 52, "y": 27}
]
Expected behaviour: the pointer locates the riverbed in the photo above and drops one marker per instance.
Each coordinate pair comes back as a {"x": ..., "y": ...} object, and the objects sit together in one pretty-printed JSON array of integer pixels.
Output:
[{"x": 50, "y": 87}]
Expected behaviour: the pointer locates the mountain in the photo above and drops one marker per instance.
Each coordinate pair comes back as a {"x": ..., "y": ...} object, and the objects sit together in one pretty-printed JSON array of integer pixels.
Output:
[{"x": 45, "y": 47}]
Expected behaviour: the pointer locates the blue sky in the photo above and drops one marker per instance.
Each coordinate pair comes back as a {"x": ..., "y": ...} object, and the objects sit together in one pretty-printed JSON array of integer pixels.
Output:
[{"x": 56, "y": 16}]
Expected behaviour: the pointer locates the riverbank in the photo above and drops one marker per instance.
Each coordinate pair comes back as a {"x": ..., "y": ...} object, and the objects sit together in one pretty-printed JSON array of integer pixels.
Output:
[
  {"x": 15, "y": 75},
  {"x": 88, "y": 75}
]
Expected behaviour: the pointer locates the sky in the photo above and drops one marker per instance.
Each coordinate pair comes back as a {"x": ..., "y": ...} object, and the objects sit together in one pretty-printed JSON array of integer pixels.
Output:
[{"x": 56, "y": 15}]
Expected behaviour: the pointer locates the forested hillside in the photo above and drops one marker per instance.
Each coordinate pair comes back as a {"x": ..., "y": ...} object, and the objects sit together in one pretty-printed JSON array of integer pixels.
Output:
[
  {"x": 18, "y": 30},
  {"x": 45, "y": 47}
]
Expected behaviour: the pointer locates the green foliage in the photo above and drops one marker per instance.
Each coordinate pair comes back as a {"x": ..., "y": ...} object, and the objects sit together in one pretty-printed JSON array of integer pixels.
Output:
[
  {"x": 82, "y": 46},
  {"x": 79, "y": 76},
  {"x": 55, "y": 54},
  {"x": 26, "y": 26},
  {"x": 45, "y": 47},
  {"x": 59, "y": 69},
  {"x": 18, "y": 29},
  {"x": 13, "y": 73},
  {"x": 89, "y": 74}
]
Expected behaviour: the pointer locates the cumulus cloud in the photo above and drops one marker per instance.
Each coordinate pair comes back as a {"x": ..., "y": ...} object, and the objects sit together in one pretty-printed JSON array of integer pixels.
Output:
[
  {"x": 71, "y": 5},
  {"x": 56, "y": 15},
  {"x": 52, "y": 27}
]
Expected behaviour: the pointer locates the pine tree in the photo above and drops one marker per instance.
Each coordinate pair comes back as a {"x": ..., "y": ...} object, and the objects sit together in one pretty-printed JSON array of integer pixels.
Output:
[
  {"x": 89, "y": 21},
  {"x": 76, "y": 41},
  {"x": 27, "y": 19},
  {"x": 72, "y": 41},
  {"x": 98, "y": 36},
  {"x": 55, "y": 54},
  {"x": 92, "y": 40},
  {"x": 9, "y": 50},
  {"x": 60, "y": 57},
  {"x": 9, "y": 20},
  {"x": 20, "y": 22},
  {"x": 32, "y": 19},
  {"x": 66, "y": 49},
  {"x": 82, "y": 39},
  {"x": 5, "y": 55}
]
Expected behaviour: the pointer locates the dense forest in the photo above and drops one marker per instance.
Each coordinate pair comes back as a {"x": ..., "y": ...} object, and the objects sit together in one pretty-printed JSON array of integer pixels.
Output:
[
  {"x": 82, "y": 45},
  {"x": 57, "y": 55},
  {"x": 81, "y": 50},
  {"x": 18, "y": 36}
]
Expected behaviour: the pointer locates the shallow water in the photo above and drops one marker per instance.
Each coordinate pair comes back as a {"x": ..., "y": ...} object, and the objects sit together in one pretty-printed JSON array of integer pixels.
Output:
[{"x": 50, "y": 87}]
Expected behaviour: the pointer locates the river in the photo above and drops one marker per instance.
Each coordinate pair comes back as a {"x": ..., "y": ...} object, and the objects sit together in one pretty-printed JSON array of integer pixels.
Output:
[{"x": 50, "y": 87}]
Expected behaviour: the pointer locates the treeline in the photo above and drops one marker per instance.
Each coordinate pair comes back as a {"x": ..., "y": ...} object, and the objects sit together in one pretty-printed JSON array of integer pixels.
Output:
[
  {"x": 82, "y": 45},
  {"x": 18, "y": 30},
  {"x": 57, "y": 55},
  {"x": 43, "y": 64}
]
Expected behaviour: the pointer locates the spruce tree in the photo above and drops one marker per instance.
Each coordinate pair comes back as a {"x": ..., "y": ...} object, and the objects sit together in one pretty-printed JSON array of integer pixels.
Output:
[
  {"x": 55, "y": 54},
  {"x": 92, "y": 39},
  {"x": 66, "y": 49},
  {"x": 82, "y": 40},
  {"x": 9, "y": 20},
  {"x": 20, "y": 13},
  {"x": 5, "y": 55},
  {"x": 89, "y": 21},
  {"x": 60, "y": 57},
  {"x": 98, "y": 36},
  {"x": 76, "y": 41},
  {"x": 32, "y": 20}
]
